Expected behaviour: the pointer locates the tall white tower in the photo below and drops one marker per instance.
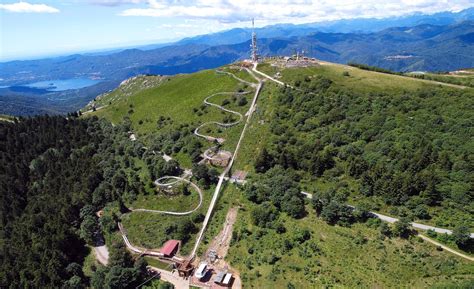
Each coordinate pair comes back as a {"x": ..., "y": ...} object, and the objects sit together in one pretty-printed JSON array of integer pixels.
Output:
[{"x": 254, "y": 53}]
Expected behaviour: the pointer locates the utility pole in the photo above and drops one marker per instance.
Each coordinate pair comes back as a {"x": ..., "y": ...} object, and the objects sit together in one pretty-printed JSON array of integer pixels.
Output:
[{"x": 254, "y": 54}]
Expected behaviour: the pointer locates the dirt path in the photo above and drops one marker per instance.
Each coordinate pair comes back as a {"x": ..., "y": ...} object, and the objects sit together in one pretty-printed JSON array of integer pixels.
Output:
[
  {"x": 102, "y": 254},
  {"x": 92, "y": 110},
  {"x": 172, "y": 277},
  {"x": 446, "y": 248},
  {"x": 221, "y": 242}
]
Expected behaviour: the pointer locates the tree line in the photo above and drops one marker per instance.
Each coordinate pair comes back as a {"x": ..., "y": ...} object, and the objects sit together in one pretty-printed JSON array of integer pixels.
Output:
[{"x": 55, "y": 173}]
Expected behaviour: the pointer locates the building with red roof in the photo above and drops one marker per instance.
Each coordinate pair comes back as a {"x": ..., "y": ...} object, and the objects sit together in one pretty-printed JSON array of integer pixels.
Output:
[{"x": 170, "y": 248}]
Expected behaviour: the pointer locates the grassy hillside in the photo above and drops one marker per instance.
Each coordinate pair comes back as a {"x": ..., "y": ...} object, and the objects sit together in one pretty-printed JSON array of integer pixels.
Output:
[
  {"x": 164, "y": 104},
  {"x": 465, "y": 78},
  {"x": 339, "y": 113},
  {"x": 347, "y": 257},
  {"x": 341, "y": 255},
  {"x": 156, "y": 108},
  {"x": 381, "y": 114},
  {"x": 173, "y": 97}
]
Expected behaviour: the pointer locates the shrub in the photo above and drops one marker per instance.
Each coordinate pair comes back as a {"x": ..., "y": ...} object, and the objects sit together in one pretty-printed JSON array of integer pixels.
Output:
[
  {"x": 242, "y": 101},
  {"x": 402, "y": 228}
]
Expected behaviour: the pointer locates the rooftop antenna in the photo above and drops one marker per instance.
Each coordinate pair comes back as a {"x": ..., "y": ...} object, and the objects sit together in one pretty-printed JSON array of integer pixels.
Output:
[{"x": 254, "y": 54}]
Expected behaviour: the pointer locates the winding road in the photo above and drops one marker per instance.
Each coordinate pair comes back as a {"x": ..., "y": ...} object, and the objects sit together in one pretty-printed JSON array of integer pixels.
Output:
[{"x": 392, "y": 220}]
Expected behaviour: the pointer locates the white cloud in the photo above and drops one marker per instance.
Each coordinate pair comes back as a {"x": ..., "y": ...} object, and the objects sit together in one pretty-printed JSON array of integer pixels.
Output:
[
  {"x": 25, "y": 7},
  {"x": 116, "y": 2},
  {"x": 295, "y": 11}
]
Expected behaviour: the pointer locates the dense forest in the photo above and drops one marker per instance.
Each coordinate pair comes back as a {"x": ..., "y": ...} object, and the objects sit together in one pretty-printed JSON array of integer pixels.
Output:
[
  {"x": 410, "y": 153},
  {"x": 56, "y": 173}
]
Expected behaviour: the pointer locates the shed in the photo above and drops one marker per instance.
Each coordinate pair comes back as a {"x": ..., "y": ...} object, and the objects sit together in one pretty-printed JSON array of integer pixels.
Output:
[
  {"x": 201, "y": 270},
  {"x": 220, "y": 277},
  {"x": 170, "y": 248},
  {"x": 227, "y": 279}
]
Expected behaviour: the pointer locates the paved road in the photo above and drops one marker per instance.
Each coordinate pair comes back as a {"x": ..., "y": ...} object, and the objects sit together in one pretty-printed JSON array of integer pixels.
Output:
[
  {"x": 416, "y": 225},
  {"x": 393, "y": 220}
]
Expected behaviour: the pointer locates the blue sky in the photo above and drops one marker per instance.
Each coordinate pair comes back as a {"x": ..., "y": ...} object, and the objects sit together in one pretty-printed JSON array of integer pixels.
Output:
[{"x": 36, "y": 28}]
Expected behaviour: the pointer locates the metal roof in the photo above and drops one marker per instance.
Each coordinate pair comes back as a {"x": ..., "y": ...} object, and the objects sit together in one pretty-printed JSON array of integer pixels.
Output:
[
  {"x": 227, "y": 278},
  {"x": 220, "y": 276},
  {"x": 169, "y": 247}
]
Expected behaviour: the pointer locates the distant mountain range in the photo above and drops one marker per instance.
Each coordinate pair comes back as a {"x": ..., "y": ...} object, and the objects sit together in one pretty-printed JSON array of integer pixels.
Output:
[
  {"x": 357, "y": 25},
  {"x": 439, "y": 42}
]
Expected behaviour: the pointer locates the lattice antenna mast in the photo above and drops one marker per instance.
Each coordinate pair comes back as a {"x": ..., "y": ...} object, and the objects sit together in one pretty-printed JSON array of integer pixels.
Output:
[{"x": 254, "y": 54}]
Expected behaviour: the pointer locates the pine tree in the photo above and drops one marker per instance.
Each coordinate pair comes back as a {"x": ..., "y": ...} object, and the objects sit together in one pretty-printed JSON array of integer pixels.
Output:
[{"x": 263, "y": 162}]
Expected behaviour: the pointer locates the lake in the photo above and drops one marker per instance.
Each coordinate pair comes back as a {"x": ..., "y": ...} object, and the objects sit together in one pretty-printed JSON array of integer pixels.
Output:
[{"x": 63, "y": 84}]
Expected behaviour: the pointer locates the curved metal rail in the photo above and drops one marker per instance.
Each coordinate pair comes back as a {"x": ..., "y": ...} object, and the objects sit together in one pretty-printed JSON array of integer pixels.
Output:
[{"x": 224, "y": 125}]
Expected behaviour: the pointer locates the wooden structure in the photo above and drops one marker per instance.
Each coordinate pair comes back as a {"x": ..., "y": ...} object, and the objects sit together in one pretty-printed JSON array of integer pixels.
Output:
[{"x": 185, "y": 269}]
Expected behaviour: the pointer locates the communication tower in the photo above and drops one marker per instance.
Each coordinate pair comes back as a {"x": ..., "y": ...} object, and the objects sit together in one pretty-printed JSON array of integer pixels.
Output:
[{"x": 254, "y": 53}]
